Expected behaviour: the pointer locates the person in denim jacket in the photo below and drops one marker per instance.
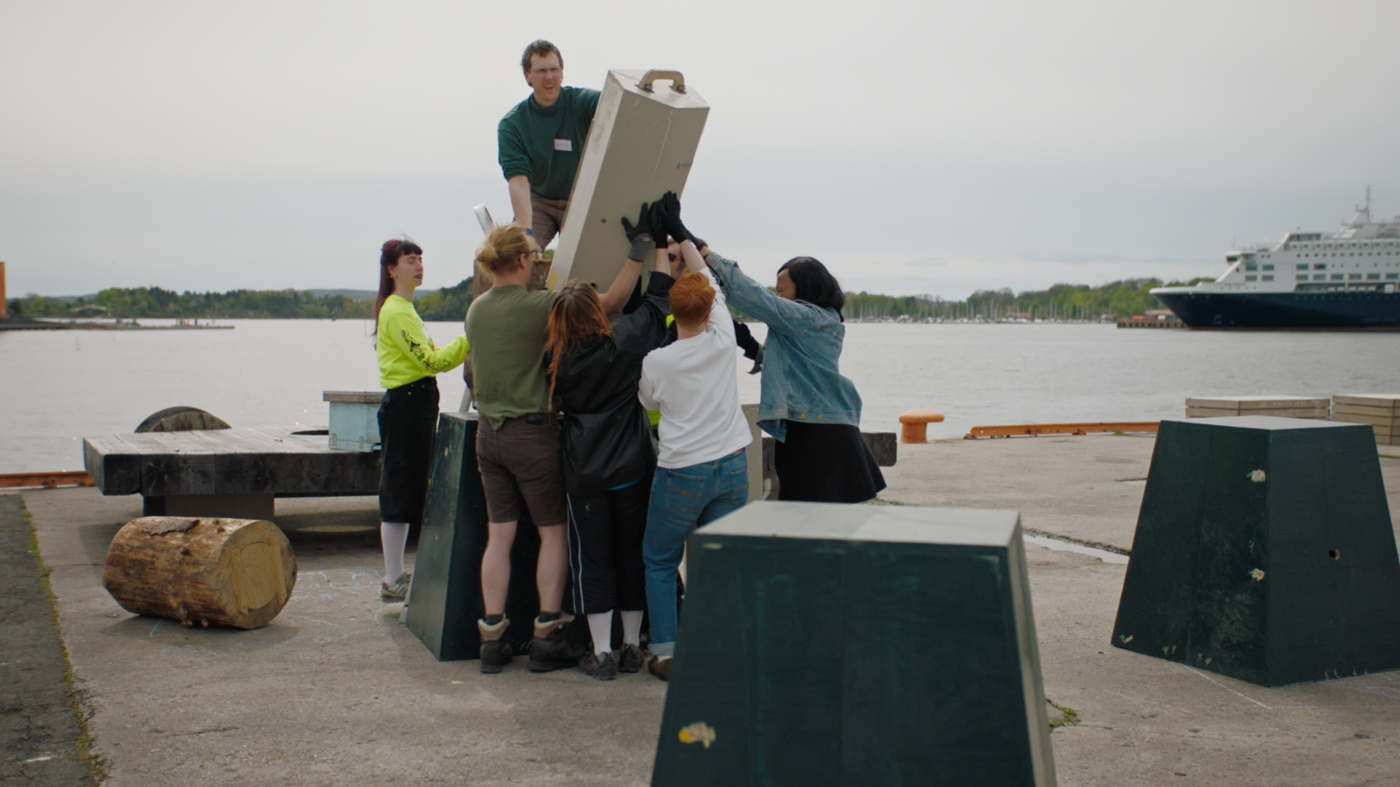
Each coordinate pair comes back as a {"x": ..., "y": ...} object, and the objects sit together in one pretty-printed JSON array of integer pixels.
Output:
[{"x": 806, "y": 404}]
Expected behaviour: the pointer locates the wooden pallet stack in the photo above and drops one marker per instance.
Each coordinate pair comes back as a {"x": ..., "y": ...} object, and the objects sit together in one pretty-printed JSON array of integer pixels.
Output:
[
  {"x": 1380, "y": 411},
  {"x": 1278, "y": 406}
]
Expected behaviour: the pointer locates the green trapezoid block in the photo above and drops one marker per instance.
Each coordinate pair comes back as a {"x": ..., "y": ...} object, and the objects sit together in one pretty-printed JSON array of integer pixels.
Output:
[
  {"x": 856, "y": 645},
  {"x": 445, "y": 602},
  {"x": 1264, "y": 551}
]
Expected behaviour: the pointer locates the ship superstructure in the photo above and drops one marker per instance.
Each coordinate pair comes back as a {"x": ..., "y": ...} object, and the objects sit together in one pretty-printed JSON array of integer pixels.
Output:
[{"x": 1346, "y": 279}]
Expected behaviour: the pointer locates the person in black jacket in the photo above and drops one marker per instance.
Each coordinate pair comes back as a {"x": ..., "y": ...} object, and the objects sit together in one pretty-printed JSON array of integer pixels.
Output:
[{"x": 609, "y": 453}]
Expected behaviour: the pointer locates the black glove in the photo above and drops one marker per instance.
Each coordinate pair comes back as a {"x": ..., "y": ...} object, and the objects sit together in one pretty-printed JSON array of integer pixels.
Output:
[
  {"x": 643, "y": 224},
  {"x": 757, "y": 362},
  {"x": 671, "y": 214},
  {"x": 658, "y": 221}
]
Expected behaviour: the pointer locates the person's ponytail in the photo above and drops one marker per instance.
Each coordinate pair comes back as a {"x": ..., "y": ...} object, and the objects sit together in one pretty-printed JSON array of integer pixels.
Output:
[{"x": 502, "y": 247}]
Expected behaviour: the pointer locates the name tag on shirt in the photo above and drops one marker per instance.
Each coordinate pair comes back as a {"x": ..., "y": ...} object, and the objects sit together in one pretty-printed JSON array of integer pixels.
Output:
[{"x": 566, "y": 145}]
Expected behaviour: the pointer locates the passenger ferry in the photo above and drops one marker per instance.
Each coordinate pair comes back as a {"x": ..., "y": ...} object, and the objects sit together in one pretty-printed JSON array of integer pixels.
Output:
[{"x": 1337, "y": 280}]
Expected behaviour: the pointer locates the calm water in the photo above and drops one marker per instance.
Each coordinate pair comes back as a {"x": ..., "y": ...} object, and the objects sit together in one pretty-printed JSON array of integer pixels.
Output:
[{"x": 59, "y": 386}]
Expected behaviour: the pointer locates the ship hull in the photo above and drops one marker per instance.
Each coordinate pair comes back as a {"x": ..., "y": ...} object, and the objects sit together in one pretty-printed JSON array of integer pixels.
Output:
[{"x": 1357, "y": 311}]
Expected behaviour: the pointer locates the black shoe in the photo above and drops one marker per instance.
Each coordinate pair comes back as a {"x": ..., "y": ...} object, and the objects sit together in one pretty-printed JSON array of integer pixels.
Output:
[
  {"x": 496, "y": 651},
  {"x": 630, "y": 659},
  {"x": 549, "y": 650},
  {"x": 601, "y": 667}
]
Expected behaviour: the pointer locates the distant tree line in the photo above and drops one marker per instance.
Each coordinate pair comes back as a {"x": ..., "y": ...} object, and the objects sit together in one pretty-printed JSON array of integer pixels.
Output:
[
  {"x": 1119, "y": 299},
  {"x": 158, "y": 302}
]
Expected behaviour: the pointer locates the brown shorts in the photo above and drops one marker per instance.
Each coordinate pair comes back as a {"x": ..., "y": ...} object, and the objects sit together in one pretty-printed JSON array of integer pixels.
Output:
[
  {"x": 519, "y": 462},
  {"x": 547, "y": 217}
]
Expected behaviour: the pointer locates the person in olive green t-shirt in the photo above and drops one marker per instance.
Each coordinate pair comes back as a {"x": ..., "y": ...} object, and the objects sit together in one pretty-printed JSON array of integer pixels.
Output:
[
  {"x": 517, "y": 449},
  {"x": 517, "y": 442},
  {"x": 541, "y": 141}
]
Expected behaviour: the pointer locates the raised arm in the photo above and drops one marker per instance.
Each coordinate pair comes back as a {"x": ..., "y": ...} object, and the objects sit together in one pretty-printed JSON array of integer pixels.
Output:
[
  {"x": 759, "y": 302},
  {"x": 640, "y": 235},
  {"x": 407, "y": 334}
]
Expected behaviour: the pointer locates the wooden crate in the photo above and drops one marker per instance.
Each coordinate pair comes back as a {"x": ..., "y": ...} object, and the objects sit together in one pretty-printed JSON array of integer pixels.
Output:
[{"x": 1380, "y": 411}]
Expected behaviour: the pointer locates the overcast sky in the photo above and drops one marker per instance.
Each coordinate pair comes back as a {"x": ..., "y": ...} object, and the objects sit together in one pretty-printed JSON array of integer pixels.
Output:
[{"x": 913, "y": 147}]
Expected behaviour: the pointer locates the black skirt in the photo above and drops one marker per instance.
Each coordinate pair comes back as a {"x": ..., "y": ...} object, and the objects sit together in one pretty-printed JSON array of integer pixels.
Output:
[
  {"x": 407, "y": 424},
  {"x": 825, "y": 463}
]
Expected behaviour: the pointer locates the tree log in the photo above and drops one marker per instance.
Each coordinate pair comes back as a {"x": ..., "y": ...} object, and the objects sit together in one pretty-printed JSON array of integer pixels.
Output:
[{"x": 213, "y": 572}]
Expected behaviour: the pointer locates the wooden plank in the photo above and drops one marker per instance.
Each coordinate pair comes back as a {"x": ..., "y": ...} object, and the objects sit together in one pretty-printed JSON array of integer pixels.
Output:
[
  {"x": 314, "y": 468},
  {"x": 1243, "y": 403},
  {"x": 1374, "y": 400},
  {"x": 1210, "y": 412},
  {"x": 184, "y": 468},
  {"x": 45, "y": 480},
  {"x": 1039, "y": 429},
  {"x": 113, "y": 468},
  {"x": 1373, "y": 420},
  {"x": 284, "y": 439},
  {"x": 1283, "y": 413},
  {"x": 1362, "y": 409},
  {"x": 268, "y": 460}
]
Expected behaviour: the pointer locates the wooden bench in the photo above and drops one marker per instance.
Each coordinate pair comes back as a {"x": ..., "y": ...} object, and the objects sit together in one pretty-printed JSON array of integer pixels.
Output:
[{"x": 226, "y": 472}]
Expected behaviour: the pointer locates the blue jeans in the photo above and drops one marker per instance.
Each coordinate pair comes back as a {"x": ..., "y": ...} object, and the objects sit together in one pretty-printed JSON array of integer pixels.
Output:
[{"x": 681, "y": 499}]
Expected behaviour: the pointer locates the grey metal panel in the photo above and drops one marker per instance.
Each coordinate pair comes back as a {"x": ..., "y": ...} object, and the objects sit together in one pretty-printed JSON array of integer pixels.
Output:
[{"x": 640, "y": 146}]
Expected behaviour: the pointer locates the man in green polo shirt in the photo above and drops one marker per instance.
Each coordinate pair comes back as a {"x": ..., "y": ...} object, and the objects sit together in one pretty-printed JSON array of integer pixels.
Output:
[{"x": 541, "y": 142}]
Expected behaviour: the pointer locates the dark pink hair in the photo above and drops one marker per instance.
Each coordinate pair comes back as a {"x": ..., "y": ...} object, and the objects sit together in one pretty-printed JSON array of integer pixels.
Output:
[{"x": 389, "y": 255}]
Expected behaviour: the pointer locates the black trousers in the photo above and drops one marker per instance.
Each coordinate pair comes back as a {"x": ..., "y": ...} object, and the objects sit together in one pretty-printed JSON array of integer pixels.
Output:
[
  {"x": 605, "y": 548},
  {"x": 407, "y": 425}
]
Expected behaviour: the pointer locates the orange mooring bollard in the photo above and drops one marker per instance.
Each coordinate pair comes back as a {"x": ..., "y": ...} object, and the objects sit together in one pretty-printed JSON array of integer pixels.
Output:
[{"x": 915, "y": 429}]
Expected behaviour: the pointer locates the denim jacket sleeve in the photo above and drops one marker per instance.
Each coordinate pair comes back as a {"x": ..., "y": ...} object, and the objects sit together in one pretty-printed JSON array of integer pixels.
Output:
[{"x": 757, "y": 301}]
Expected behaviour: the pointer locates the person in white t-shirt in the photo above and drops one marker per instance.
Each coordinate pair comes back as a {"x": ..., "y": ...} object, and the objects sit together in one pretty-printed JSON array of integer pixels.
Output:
[{"x": 701, "y": 472}]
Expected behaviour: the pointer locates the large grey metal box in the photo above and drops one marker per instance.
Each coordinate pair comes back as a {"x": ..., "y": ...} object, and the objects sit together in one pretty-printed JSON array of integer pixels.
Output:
[{"x": 640, "y": 146}]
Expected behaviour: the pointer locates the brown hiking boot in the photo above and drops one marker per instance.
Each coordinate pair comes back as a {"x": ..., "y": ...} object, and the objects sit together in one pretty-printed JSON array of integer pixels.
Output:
[
  {"x": 549, "y": 650},
  {"x": 495, "y": 650},
  {"x": 660, "y": 666}
]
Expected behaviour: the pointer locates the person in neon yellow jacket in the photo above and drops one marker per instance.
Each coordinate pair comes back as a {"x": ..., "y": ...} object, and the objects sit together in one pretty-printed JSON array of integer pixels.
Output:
[{"x": 409, "y": 362}]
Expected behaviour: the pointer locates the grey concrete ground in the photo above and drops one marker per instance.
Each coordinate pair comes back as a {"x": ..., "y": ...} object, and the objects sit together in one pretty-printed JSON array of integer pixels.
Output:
[{"x": 335, "y": 691}]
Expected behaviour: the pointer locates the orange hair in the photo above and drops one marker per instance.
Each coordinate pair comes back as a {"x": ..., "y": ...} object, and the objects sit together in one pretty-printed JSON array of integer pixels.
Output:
[{"x": 691, "y": 298}]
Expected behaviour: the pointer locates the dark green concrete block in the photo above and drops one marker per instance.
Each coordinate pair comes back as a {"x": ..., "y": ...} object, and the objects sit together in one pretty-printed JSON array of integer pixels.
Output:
[
  {"x": 1264, "y": 551},
  {"x": 445, "y": 601},
  {"x": 856, "y": 645}
]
